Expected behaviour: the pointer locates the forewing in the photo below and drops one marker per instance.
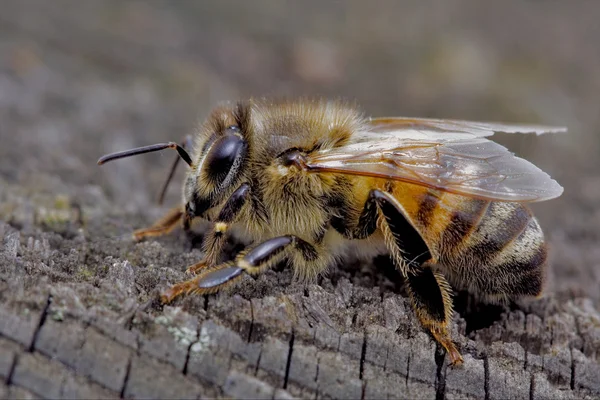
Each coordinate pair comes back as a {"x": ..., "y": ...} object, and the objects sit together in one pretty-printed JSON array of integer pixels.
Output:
[{"x": 452, "y": 156}]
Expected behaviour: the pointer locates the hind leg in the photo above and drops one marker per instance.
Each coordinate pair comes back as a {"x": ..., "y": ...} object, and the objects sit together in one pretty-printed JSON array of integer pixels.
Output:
[{"x": 430, "y": 293}]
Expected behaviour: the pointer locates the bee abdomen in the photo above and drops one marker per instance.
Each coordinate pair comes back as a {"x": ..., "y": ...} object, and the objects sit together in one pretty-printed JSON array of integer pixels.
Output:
[
  {"x": 463, "y": 222},
  {"x": 508, "y": 244},
  {"x": 501, "y": 224},
  {"x": 522, "y": 262}
]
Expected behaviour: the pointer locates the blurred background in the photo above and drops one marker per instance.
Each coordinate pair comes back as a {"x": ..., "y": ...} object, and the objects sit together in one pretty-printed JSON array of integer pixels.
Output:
[{"x": 82, "y": 78}]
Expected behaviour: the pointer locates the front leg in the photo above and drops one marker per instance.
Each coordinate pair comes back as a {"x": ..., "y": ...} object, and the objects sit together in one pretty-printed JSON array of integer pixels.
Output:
[
  {"x": 161, "y": 227},
  {"x": 252, "y": 262},
  {"x": 215, "y": 239},
  {"x": 169, "y": 221}
]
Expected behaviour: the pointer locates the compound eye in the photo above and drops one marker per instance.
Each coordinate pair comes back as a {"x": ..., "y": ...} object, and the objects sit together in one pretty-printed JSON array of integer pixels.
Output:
[{"x": 222, "y": 155}]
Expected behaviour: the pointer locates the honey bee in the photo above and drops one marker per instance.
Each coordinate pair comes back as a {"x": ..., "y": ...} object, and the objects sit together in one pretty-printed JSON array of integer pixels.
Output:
[{"x": 313, "y": 181}]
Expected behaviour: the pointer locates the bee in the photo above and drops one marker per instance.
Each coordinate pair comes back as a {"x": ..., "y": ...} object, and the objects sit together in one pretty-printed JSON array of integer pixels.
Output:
[{"x": 311, "y": 182}]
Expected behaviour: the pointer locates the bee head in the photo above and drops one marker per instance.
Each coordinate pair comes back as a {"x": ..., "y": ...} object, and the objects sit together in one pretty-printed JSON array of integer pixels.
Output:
[
  {"x": 222, "y": 149},
  {"x": 216, "y": 171}
]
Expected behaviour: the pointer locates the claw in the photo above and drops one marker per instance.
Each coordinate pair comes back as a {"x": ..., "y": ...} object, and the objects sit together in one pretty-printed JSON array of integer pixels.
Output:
[
  {"x": 140, "y": 234},
  {"x": 196, "y": 268},
  {"x": 177, "y": 290},
  {"x": 442, "y": 338},
  {"x": 456, "y": 359},
  {"x": 162, "y": 227}
]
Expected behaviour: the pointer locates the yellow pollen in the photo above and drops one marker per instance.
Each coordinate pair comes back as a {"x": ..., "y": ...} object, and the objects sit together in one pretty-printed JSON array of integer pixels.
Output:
[
  {"x": 243, "y": 264},
  {"x": 220, "y": 227}
]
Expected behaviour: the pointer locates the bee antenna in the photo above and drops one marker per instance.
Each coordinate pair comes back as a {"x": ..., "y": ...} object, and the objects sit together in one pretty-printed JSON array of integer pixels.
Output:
[
  {"x": 147, "y": 149},
  {"x": 163, "y": 192},
  {"x": 187, "y": 142}
]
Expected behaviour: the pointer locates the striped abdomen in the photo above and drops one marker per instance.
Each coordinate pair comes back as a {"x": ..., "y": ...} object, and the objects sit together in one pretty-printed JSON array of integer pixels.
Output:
[{"x": 492, "y": 248}]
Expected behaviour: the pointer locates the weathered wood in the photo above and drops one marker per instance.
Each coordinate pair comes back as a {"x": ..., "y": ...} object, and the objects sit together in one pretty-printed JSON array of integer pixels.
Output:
[{"x": 307, "y": 341}]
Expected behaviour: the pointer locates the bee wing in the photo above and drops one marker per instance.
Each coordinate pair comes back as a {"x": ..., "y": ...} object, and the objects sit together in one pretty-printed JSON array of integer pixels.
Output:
[
  {"x": 449, "y": 155},
  {"x": 479, "y": 129}
]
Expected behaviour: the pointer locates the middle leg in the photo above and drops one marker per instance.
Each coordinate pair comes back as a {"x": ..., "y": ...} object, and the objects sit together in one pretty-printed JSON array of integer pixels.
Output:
[{"x": 215, "y": 239}]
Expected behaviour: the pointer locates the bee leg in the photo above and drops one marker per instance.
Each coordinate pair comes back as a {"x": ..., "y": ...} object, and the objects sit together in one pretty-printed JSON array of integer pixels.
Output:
[
  {"x": 196, "y": 268},
  {"x": 161, "y": 227},
  {"x": 166, "y": 224},
  {"x": 429, "y": 291},
  {"x": 361, "y": 228},
  {"x": 430, "y": 296},
  {"x": 406, "y": 246},
  {"x": 216, "y": 238},
  {"x": 252, "y": 262}
]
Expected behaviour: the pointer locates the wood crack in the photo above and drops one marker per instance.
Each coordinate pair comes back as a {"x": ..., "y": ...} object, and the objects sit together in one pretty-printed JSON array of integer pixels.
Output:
[
  {"x": 407, "y": 369},
  {"x": 11, "y": 372},
  {"x": 526, "y": 345},
  {"x": 258, "y": 361},
  {"x": 486, "y": 377},
  {"x": 251, "y": 328},
  {"x": 363, "y": 354},
  {"x": 189, "y": 350},
  {"x": 41, "y": 323},
  {"x": 126, "y": 380},
  {"x": 364, "y": 390},
  {"x": 532, "y": 387},
  {"x": 289, "y": 360},
  {"x": 440, "y": 376},
  {"x": 317, "y": 376},
  {"x": 205, "y": 306},
  {"x": 572, "y": 381}
]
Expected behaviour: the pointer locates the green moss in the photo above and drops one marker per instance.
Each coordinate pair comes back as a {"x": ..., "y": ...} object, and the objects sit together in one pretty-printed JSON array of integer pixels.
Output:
[
  {"x": 57, "y": 315},
  {"x": 85, "y": 274},
  {"x": 62, "y": 202}
]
